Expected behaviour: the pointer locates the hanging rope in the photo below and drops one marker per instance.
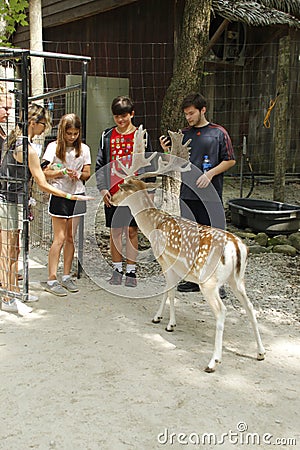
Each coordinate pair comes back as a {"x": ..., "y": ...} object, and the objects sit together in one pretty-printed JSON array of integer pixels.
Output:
[{"x": 267, "y": 123}]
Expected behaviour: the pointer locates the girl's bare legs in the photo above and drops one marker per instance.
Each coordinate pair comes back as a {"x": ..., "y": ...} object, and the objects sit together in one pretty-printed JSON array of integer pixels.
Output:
[
  {"x": 59, "y": 226},
  {"x": 10, "y": 251},
  {"x": 69, "y": 247}
]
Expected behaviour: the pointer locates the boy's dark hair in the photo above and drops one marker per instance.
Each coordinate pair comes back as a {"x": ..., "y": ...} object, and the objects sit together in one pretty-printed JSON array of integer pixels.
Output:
[
  {"x": 194, "y": 99},
  {"x": 122, "y": 105}
]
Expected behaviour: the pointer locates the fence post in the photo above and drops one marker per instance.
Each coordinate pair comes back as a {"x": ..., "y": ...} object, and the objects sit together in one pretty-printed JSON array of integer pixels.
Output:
[
  {"x": 25, "y": 234},
  {"x": 83, "y": 128}
]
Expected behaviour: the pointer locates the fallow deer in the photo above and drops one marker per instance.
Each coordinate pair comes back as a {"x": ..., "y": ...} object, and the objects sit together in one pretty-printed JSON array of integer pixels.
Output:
[{"x": 184, "y": 249}]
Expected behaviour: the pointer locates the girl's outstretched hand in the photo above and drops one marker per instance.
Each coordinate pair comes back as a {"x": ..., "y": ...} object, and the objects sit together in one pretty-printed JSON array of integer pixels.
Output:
[{"x": 82, "y": 197}]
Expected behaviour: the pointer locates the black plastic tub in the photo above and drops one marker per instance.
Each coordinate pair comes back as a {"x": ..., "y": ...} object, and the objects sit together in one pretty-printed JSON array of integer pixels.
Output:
[{"x": 265, "y": 215}]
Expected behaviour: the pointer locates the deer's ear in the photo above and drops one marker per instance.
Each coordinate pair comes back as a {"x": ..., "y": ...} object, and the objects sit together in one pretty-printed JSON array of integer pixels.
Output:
[{"x": 124, "y": 186}]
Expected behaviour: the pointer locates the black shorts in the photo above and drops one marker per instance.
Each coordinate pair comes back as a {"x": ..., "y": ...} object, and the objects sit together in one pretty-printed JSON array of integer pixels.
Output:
[
  {"x": 211, "y": 214},
  {"x": 119, "y": 217},
  {"x": 63, "y": 207}
]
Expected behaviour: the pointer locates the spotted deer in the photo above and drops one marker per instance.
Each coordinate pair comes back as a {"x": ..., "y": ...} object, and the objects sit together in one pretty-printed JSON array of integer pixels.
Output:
[{"x": 184, "y": 249}]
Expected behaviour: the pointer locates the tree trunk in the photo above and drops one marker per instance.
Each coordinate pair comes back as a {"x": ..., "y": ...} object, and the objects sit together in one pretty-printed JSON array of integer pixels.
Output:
[
  {"x": 37, "y": 88},
  {"x": 281, "y": 123},
  {"x": 36, "y": 44},
  {"x": 187, "y": 77},
  {"x": 188, "y": 66}
]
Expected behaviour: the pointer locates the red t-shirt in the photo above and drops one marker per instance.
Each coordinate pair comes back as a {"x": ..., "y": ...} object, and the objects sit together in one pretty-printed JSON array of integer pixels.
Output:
[{"x": 121, "y": 146}]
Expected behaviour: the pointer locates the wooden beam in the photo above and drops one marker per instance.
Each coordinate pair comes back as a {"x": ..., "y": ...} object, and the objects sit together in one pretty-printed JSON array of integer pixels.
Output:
[
  {"x": 217, "y": 34},
  {"x": 60, "y": 12}
]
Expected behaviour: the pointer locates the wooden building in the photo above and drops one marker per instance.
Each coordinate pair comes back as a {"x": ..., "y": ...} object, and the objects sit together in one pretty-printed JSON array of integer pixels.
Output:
[{"x": 135, "y": 40}]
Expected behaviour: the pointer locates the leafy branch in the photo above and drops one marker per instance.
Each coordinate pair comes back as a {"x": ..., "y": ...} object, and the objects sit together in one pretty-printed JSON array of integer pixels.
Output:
[{"x": 12, "y": 13}]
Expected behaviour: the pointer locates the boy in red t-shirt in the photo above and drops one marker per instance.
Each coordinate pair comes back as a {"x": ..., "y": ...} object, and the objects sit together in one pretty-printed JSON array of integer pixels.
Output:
[{"x": 116, "y": 143}]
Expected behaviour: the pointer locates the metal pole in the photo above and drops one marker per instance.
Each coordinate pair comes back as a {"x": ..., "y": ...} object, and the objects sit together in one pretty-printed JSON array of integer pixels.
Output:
[
  {"x": 244, "y": 151},
  {"x": 83, "y": 129},
  {"x": 84, "y": 100},
  {"x": 24, "y": 107},
  {"x": 15, "y": 52}
]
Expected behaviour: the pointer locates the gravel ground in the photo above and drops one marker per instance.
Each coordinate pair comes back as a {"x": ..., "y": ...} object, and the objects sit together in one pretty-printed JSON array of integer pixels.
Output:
[
  {"x": 272, "y": 280},
  {"x": 91, "y": 371}
]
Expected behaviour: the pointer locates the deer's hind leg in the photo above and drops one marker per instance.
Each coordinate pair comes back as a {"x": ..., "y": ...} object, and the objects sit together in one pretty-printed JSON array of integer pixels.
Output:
[
  {"x": 210, "y": 292},
  {"x": 238, "y": 288}
]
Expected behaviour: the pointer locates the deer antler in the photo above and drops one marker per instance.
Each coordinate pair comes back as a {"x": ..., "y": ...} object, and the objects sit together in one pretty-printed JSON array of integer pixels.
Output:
[
  {"x": 138, "y": 156},
  {"x": 178, "y": 148},
  {"x": 177, "y": 160}
]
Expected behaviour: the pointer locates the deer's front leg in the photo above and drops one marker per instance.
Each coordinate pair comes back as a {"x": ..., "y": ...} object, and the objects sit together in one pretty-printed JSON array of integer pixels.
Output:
[
  {"x": 160, "y": 312},
  {"x": 159, "y": 315}
]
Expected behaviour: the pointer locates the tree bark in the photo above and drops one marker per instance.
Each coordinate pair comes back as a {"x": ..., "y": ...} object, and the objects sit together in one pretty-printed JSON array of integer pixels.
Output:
[
  {"x": 36, "y": 44},
  {"x": 187, "y": 77},
  {"x": 189, "y": 63},
  {"x": 37, "y": 88},
  {"x": 281, "y": 123}
]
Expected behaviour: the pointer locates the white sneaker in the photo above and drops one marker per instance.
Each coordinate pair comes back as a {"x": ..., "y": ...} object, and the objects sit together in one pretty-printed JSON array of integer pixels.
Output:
[{"x": 15, "y": 305}]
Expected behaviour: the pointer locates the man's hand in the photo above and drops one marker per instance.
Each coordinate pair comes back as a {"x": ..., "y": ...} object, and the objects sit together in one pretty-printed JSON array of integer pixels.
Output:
[
  {"x": 204, "y": 180},
  {"x": 165, "y": 143}
]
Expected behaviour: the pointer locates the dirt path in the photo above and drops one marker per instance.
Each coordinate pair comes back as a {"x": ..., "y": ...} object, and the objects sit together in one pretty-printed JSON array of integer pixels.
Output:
[{"x": 91, "y": 372}]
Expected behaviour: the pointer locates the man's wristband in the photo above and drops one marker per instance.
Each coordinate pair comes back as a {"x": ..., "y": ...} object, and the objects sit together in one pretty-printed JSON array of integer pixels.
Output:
[
  {"x": 69, "y": 196},
  {"x": 64, "y": 171}
]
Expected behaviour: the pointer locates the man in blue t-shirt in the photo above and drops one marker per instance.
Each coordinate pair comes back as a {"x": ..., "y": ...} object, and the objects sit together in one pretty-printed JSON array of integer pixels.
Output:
[{"x": 201, "y": 193}]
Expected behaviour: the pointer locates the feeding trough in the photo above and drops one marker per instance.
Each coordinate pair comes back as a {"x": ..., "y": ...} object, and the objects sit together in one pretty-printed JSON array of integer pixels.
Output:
[{"x": 265, "y": 215}]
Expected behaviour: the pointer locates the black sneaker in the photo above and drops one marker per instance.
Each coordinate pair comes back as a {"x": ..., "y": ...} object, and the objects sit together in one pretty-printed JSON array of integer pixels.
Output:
[
  {"x": 188, "y": 286},
  {"x": 130, "y": 279},
  {"x": 116, "y": 278}
]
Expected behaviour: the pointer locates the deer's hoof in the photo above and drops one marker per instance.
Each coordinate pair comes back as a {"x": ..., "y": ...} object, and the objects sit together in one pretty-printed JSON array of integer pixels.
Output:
[
  {"x": 209, "y": 370},
  {"x": 156, "y": 320},
  {"x": 261, "y": 356},
  {"x": 170, "y": 328}
]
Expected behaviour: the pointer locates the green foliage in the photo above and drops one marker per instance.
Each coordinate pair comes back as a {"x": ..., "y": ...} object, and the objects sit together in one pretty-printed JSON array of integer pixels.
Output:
[{"x": 13, "y": 12}]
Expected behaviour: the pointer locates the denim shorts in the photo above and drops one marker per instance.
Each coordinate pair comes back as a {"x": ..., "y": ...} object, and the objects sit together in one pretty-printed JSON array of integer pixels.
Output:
[{"x": 11, "y": 216}]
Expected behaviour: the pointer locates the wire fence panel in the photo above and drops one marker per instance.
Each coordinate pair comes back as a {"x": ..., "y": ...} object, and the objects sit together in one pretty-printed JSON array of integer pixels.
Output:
[
  {"x": 240, "y": 82},
  {"x": 32, "y": 204}
]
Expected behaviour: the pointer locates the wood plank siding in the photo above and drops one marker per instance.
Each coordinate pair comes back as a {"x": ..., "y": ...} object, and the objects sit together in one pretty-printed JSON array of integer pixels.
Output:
[
  {"x": 136, "y": 41},
  {"x": 58, "y": 12},
  {"x": 64, "y": 11}
]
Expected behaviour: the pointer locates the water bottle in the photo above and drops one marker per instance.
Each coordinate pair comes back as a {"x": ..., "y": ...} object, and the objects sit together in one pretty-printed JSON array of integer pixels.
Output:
[
  {"x": 56, "y": 166},
  {"x": 206, "y": 165}
]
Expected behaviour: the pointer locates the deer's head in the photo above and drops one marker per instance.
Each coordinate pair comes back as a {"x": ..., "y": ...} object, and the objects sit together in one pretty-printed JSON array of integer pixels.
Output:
[{"x": 129, "y": 187}]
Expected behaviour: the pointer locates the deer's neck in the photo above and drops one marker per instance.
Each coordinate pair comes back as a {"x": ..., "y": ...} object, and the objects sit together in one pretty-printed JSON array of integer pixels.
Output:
[{"x": 144, "y": 211}]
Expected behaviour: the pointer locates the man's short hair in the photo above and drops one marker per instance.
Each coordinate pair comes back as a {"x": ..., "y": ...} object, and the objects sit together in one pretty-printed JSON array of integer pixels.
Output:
[{"x": 194, "y": 99}]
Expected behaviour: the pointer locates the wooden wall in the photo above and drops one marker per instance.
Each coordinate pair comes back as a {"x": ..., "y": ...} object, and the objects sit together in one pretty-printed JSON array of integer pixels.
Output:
[
  {"x": 121, "y": 44},
  {"x": 136, "y": 41},
  {"x": 240, "y": 97}
]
